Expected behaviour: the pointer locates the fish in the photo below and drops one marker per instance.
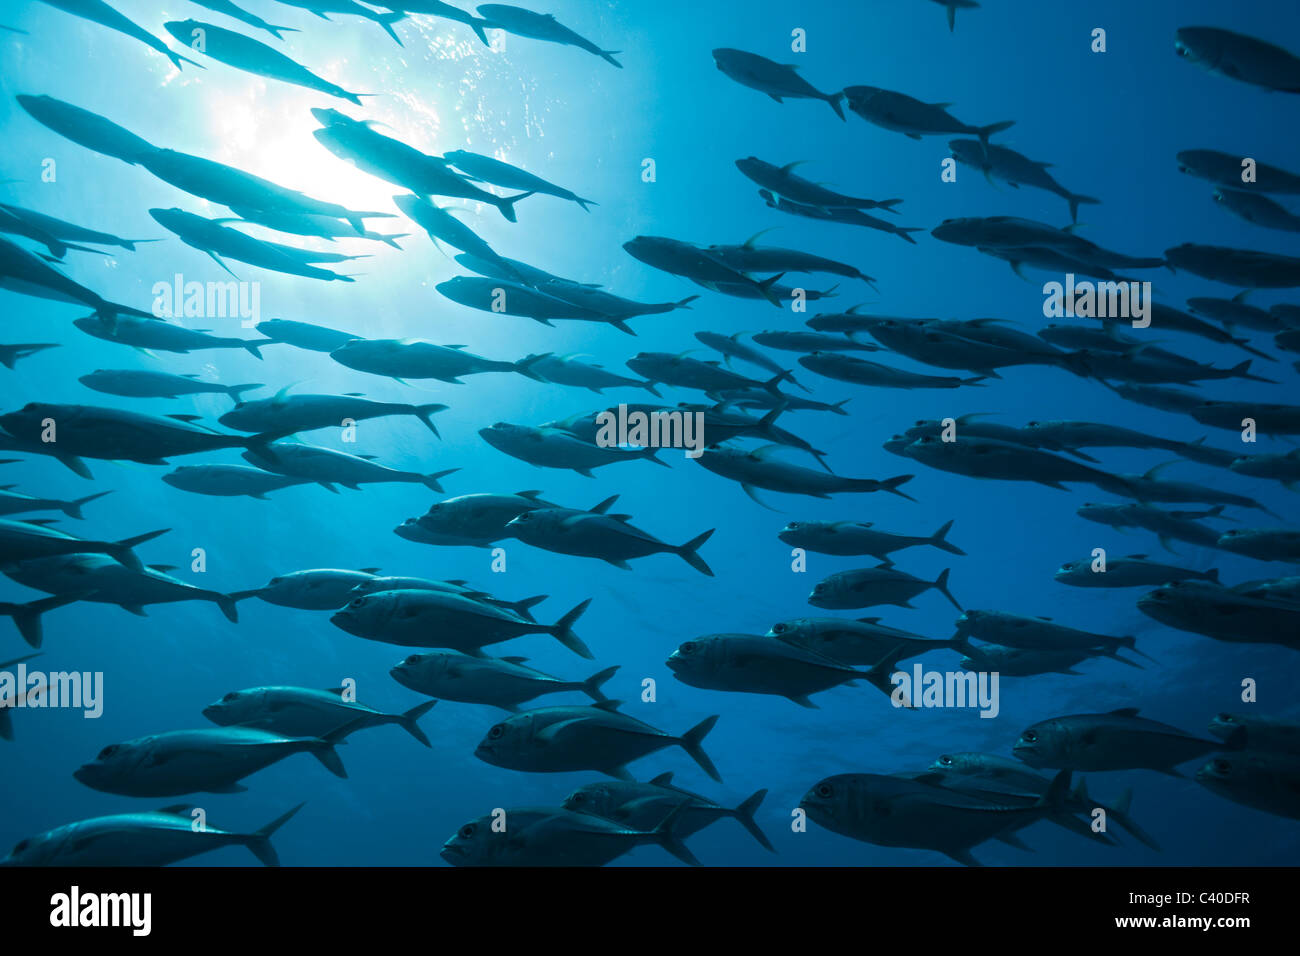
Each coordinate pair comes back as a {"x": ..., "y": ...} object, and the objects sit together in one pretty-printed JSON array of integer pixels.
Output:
[
  {"x": 951, "y": 8},
  {"x": 1283, "y": 467},
  {"x": 782, "y": 182},
  {"x": 1130, "y": 571},
  {"x": 549, "y": 447},
  {"x": 750, "y": 664},
  {"x": 553, "y": 837},
  {"x": 511, "y": 298},
  {"x": 304, "y": 712},
  {"x": 504, "y": 682},
  {"x": 847, "y": 368},
  {"x": 243, "y": 16},
  {"x": 305, "y": 335},
  {"x": 1007, "y": 461},
  {"x": 811, "y": 342},
  {"x": 1147, "y": 487},
  {"x": 211, "y": 237},
  {"x": 475, "y": 521},
  {"x": 1038, "y": 633},
  {"x": 896, "y": 812},
  {"x": 315, "y": 589},
  {"x": 349, "y": 7},
  {"x": 1014, "y": 169},
  {"x": 420, "y": 618},
  {"x": 329, "y": 467},
  {"x": 1025, "y": 661},
  {"x": 103, "y": 580},
  {"x": 251, "y": 56},
  {"x": 751, "y": 257},
  {"x": 417, "y": 358},
  {"x": 756, "y": 469},
  {"x": 439, "y": 9},
  {"x": 1011, "y": 232},
  {"x": 645, "y": 805},
  {"x": 498, "y": 173},
  {"x": 780, "y": 81},
  {"x": 304, "y": 224},
  {"x": 10, "y": 354},
  {"x": 1236, "y": 311},
  {"x": 1264, "y": 544},
  {"x": 441, "y": 224},
  {"x": 139, "y": 383},
  {"x": 699, "y": 265},
  {"x": 228, "y": 481},
  {"x": 864, "y": 642},
  {"x": 1239, "y": 57},
  {"x": 1262, "y": 781},
  {"x": 147, "y": 838},
  {"x": 568, "y": 370},
  {"x": 1257, "y": 209},
  {"x": 214, "y": 760},
  {"x": 868, "y": 587},
  {"x": 914, "y": 119},
  {"x": 1270, "y": 418},
  {"x": 97, "y": 11},
  {"x": 540, "y": 26},
  {"x": 594, "y": 534},
  {"x": 597, "y": 737},
  {"x": 25, "y": 273},
  {"x": 1220, "y": 613},
  {"x": 15, "y": 502},
  {"x": 857, "y": 538},
  {"x": 1224, "y": 169},
  {"x": 1116, "y": 740},
  {"x": 112, "y": 434},
  {"x": 686, "y": 372},
  {"x": 1258, "y": 733},
  {"x": 844, "y": 216},
  {"x": 286, "y": 413},
  {"x": 391, "y": 582},
  {"x": 161, "y": 336},
  {"x": 1245, "y": 268},
  {"x": 1167, "y": 525}
]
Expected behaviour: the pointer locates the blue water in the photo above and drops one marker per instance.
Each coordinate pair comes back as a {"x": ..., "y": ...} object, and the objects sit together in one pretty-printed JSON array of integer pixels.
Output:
[{"x": 1110, "y": 122}]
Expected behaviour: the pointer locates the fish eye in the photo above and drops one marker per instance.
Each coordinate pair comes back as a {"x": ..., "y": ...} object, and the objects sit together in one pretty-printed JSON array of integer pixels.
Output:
[
  {"x": 526, "y": 516},
  {"x": 358, "y": 602},
  {"x": 825, "y": 790},
  {"x": 21, "y": 845},
  {"x": 779, "y": 628},
  {"x": 577, "y": 797},
  {"x": 1031, "y": 736},
  {"x": 467, "y": 830},
  {"x": 107, "y": 752},
  {"x": 945, "y": 761},
  {"x": 276, "y": 580},
  {"x": 819, "y": 589},
  {"x": 230, "y": 698},
  {"x": 1226, "y": 718},
  {"x": 497, "y": 732},
  {"x": 794, "y": 526},
  {"x": 1221, "y": 766},
  {"x": 414, "y": 658},
  {"x": 690, "y": 647}
]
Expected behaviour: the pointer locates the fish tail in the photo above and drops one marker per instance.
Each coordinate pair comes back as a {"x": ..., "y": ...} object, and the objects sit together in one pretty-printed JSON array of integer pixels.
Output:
[
  {"x": 177, "y": 60},
  {"x": 259, "y": 843},
  {"x": 386, "y": 20},
  {"x": 431, "y": 481},
  {"x": 608, "y": 57},
  {"x": 524, "y": 366},
  {"x": 904, "y": 232},
  {"x": 689, "y": 552},
  {"x": 423, "y": 413},
  {"x": 940, "y": 541},
  {"x": 409, "y": 718},
  {"x": 765, "y": 287},
  {"x": 275, "y": 31},
  {"x": 323, "y": 748},
  {"x": 1131, "y": 643},
  {"x": 744, "y": 814},
  {"x": 477, "y": 27},
  {"x": 835, "y": 99},
  {"x": 941, "y": 583},
  {"x": 1120, "y": 812},
  {"x": 122, "y": 550},
  {"x": 562, "y": 631},
  {"x": 254, "y": 348},
  {"x": 984, "y": 132},
  {"x": 838, "y": 407},
  {"x": 73, "y": 508},
  {"x": 591, "y": 686},
  {"x": 507, "y": 204},
  {"x": 227, "y": 604},
  {"x": 584, "y": 203},
  {"x": 524, "y": 608},
  {"x": 234, "y": 390},
  {"x": 891, "y": 485},
  {"x": 392, "y": 240},
  {"x": 1075, "y": 200},
  {"x": 666, "y": 836},
  {"x": 27, "y": 618},
  {"x": 692, "y": 742}
]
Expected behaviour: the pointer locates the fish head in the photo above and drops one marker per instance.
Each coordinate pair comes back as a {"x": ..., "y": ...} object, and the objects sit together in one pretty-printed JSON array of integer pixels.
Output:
[
  {"x": 422, "y": 667},
  {"x": 114, "y": 765},
  {"x": 505, "y": 740},
  {"x": 363, "y": 614},
  {"x": 1221, "y": 773},
  {"x": 1069, "y": 569},
  {"x": 600, "y": 799},
  {"x": 1224, "y": 725},
  {"x": 792, "y": 630},
  {"x": 472, "y": 844},
  {"x": 694, "y": 657},
  {"x": 969, "y": 151},
  {"x": 237, "y": 707},
  {"x": 190, "y": 33},
  {"x": 1041, "y": 744},
  {"x": 1204, "y": 46},
  {"x": 963, "y": 231},
  {"x": 836, "y": 801},
  {"x": 823, "y": 594},
  {"x": 330, "y": 117},
  {"x": 40, "y": 850}
]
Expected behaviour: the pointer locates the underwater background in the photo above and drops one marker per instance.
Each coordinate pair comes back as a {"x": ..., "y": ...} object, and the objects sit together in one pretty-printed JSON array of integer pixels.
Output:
[{"x": 1110, "y": 122}]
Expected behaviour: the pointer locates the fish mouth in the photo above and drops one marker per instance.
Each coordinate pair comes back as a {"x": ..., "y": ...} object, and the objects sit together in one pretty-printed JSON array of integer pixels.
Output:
[
  {"x": 673, "y": 663},
  {"x": 452, "y": 853}
]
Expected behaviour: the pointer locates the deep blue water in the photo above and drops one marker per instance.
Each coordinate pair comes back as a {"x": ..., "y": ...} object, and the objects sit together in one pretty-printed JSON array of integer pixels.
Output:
[{"x": 1110, "y": 122}]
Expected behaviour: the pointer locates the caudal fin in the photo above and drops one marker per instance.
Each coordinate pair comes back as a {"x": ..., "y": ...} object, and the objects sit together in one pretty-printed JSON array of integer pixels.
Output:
[
  {"x": 834, "y": 99},
  {"x": 766, "y": 286},
  {"x": 692, "y": 741},
  {"x": 591, "y": 686},
  {"x": 27, "y": 617},
  {"x": 891, "y": 485},
  {"x": 665, "y": 834},
  {"x": 431, "y": 481},
  {"x": 562, "y": 631},
  {"x": 235, "y": 391},
  {"x": 941, "y": 583},
  {"x": 939, "y": 540},
  {"x": 984, "y": 132},
  {"x": 121, "y": 550},
  {"x": 744, "y": 815},
  {"x": 275, "y": 30},
  {"x": 425, "y": 412},
  {"x": 323, "y": 749},
  {"x": 409, "y": 718},
  {"x": 1131, "y": 643},
  {"x": 259, "y": 843},
  {"x": 689, "y": 554},
  {"x": 1075, "y": 201},
  {"x": 386, "y": 21},
  {"x": 507, "y": 204},
  {"x": 73, "y": 508}
]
